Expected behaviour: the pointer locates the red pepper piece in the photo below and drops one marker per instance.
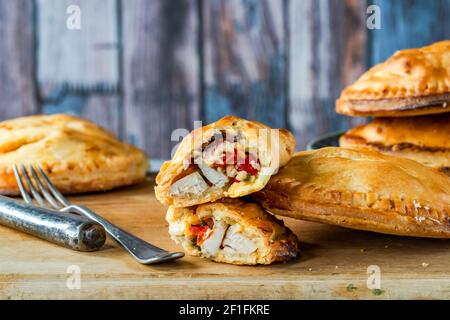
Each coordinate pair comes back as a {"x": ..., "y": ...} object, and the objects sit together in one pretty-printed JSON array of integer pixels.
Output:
[
  {"x": 246, "y": 166},
  {"x": 199, "y": 232}
]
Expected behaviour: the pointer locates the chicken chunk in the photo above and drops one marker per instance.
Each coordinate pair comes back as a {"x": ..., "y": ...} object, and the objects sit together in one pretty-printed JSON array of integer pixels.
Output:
[
  {"x": 237, "y": 242},
  {"x": 191, "y": 184},
  {"x": 215, "y": 177},
  {"x": 211, "y": 246}
]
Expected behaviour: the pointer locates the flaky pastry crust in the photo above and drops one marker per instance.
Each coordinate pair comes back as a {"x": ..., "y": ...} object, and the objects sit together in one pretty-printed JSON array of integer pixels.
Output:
[
  {"x": 77, "y": 155},
  {"x": 361, "y": 189},
  {"x": 412, "y": 82},
  {"x": 425, "y": 139}
]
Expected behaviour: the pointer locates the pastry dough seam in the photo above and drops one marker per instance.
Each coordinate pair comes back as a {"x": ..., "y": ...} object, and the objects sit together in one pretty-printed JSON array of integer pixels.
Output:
[
  {"x": 372, "y": 201},
  {"x": 396, "y": 146}
]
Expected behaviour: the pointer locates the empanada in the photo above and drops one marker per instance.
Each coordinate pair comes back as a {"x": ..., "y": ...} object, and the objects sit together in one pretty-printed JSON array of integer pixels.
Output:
[
  {"x": 232, "y": 157},
  {"x": 232, "y": 231},
  {"x": 412, "y": 82},
  {"x": 77, "y": 155},
  {"x": 361, "y": 189},
  {"x": 425, "y": 139}
]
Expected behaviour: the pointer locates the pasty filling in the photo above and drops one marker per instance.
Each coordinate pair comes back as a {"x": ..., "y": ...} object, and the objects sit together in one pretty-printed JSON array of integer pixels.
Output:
[
  {"x": 212, "y": 236},
  {"x": 221, "y": 162}
]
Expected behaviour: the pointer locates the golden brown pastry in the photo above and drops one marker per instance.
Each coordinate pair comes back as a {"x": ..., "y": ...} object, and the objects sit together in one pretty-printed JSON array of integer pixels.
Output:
[
  {"x": 232, "y": 157},
  {"x": 412, "y": 82},
  {"x": 232, "y": 231},
  {"x": 77, "y": 155},
  {"x": 361, "y": 189},
  {"x": 425, "y": 139}
]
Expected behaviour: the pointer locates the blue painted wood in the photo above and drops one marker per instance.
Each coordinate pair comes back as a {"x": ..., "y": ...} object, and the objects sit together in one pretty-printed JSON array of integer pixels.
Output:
[
  {"x": 17, "y": 91},
  {"x": 282, "y": 62},
  {"x": 102, "y": 109},
  {"x": 77, "y": 70},
  {"x": 327, "y": 53},
  {"x": 408, "y": 24},
  {"x": 245, "y": 63},
  {"x": 78, "y": 57},
  {"x": 161, "y": 72}
]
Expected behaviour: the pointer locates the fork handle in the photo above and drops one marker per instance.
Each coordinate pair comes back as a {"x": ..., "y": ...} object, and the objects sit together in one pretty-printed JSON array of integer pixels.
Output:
[
  {"x": 68, "y": 230},
  {"x": 142, "y": 251}
]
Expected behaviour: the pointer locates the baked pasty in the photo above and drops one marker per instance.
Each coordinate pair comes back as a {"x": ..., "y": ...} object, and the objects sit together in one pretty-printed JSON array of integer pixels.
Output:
[
  {"x": 412, "y": 82},
  {"x": 361, "y": 189},
  {"x": 77, "y": 155},
  {"x": 425, "y": 139},
  {"x": 232, "y": 157},
  {"x": 232, "y": 231}
]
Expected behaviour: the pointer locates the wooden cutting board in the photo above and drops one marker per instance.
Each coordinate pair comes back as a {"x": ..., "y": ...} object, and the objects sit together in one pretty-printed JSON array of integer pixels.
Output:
[{"x": 333, "y": 263}]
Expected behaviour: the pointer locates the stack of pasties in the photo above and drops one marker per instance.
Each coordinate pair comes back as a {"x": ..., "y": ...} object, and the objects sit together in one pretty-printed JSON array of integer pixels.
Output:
[
  {"x": 410, "y": 96},
  {"x": 372, "y": 185},
  {"x": 212, "y": 168}
]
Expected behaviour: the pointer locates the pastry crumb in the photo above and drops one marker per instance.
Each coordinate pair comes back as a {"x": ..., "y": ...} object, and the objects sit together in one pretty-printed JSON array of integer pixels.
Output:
[{"x": 424, "y": 264}]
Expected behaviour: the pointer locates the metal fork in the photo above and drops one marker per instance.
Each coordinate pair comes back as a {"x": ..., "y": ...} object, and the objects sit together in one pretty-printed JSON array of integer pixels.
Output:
[{"x": 142, "y": 251}]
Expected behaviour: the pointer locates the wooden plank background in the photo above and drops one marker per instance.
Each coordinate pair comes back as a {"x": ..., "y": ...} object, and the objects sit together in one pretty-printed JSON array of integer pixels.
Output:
[
  {"x": 245, "y": 52},
  {"x": 144, "y": 68},
  {"x": 407, "y": 24},
  {"x": 327, "y": 52},
  {"x": 161, "y": 64},
  {"x": 17, "y": 52},
  {"x": 77, "y": 70}
]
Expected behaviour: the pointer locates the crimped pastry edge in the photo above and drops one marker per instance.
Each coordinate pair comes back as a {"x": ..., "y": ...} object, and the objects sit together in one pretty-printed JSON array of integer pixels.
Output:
[
  {"x": 396, "y": 107},
  {"x": 367, "y": 219}
]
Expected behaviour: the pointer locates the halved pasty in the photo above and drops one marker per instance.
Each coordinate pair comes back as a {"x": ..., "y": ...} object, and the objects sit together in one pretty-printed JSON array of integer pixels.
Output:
[
  {"x": 77, "y": 155},
  {"x": 412, "y": 82},
  {"x": 361, "y": 189},
  {"x": 232, "y": 157},
  {"x": 425, "y": 139},
  {"x": 232, "y": 231}
]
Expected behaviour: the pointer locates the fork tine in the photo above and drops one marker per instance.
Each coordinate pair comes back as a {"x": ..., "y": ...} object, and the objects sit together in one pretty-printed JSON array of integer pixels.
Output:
[
  {"x": 31, "y": 186},
  {"x": 52, "y": 188},
  {"x": 44, "y": 190},
  {"x": 23, "y": 190}
]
